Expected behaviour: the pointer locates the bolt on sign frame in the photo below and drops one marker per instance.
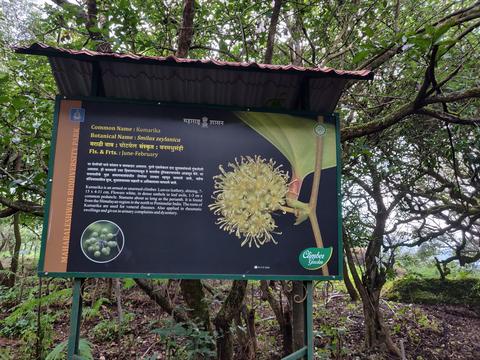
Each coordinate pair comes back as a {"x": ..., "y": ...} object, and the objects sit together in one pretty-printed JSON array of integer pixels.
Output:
[{"x": 250, "y": 96}]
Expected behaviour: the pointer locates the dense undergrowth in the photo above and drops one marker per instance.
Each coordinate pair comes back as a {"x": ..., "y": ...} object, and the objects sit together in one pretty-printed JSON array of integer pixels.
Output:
[
  {"x": 29, "y": 328},
  {"x": 418, "y": 290}
]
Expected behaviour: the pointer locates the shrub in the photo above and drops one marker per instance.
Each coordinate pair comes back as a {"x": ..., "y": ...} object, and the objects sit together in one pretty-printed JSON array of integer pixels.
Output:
[{"x": 435, "y": 291}]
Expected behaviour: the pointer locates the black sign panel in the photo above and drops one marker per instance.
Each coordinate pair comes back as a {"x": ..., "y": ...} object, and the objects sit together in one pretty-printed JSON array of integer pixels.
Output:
[{"x": 174, "y": 191}]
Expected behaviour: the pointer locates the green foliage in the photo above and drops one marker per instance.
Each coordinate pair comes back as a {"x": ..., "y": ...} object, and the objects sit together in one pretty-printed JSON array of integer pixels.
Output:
[
  {"x": 424, "y": 322},
  {"x": 17, "y": 318},
  {"x": 7, "y": 295},
  {"x": 435, "y": 291},
  {"x": 31, "y": 337},
  {"x": 94, "y": 310},
  {"x": 333, "y": 349},
  {"x": 59, "y": 352},
  {"x": 107, "y": 330},
  {"x": 23, "y": 324},
  {"x": 185, "y": 340},
  {"x": 128, "y": 283},
  {"x": 5, "y": 353},
  {"x": 421, "y": 264},
  {"x": 22, "y": 320}
]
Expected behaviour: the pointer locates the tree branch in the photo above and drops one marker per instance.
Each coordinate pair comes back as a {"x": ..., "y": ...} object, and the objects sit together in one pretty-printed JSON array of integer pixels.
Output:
[
  {"x": 449, "y": 118},
  {"x": 186, "y": 31},
  {"x": 224, "y": 52},
  {"x": 454, "y": 96},
  {"x": 7, "y": 212},
  {"x": 457, "y": 18},
  {"x": 163, "y": 301},
  {"x": 22, "y": 205},
  {"x": 355, "y": 131},
  {"x": 428, "y": 79},
  {"x": 65, "y": 4}
]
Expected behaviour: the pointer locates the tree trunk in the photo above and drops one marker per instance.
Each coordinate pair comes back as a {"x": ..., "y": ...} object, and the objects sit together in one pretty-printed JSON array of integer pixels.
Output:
[
  {"x": 109, "y": 288},
  {"x": 160, "y": 299},
  {"x": 16, "y": 251},
  {"x": 249, "y": 317},
  {"x": 369, "y": 287},
  {"x": 194, "y": 296},
  {"x": 441, "y": 269},
  {"x": 287, "y": 333},
  {"x": 93, "y": 296},
  {"x": 272, "y": 29},
  {"x": 348, "y": 283},
  {"x": 3, "y": 277},
  {"x": 298, "y": 315},
  {"x": 101, "y": 44},
  {"x": 283, "y": 316},
  {"x": 294, "y": 24},
  {"x": 377, "y": 335},
  {"x": 247, "y": 339},
  {"x": 230, "y": 308},
  {"x": 186, "y": 31},
  {"x": 118, "y": 296}
]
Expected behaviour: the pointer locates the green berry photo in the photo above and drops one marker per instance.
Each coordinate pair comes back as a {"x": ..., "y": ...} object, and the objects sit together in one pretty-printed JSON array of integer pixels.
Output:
[{"x": 102, "y": 241}]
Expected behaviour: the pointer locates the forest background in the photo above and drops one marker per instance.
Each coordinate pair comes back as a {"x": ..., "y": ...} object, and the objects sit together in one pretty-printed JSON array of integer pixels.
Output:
[{"x": 410, "y": 182}]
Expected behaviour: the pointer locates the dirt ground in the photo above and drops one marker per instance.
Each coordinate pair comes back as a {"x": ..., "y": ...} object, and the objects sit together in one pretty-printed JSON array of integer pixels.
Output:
[{"x": 427, "y": 332}]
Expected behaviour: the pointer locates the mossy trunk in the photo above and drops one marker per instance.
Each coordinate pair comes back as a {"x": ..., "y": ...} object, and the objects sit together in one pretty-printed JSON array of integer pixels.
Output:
[
  {"x": 192, "y": 291},
  {"x": 442, "y": 268},
  {"x": 10, "y": 279},
  {"x": 377, "y": 335},
  {"x": 247, "y": 339},
  {"x": 159, "y": 296},
  {"x": 282, "y": 314},
  {"x": 223, "y": 321},
  {"x": 348, "y": 283}
]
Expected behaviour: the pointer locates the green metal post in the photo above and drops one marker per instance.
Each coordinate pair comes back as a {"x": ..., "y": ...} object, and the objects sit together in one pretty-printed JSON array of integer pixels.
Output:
[
  {"x": 75, "y": 319},
  {"x": 299, "y": 354},
  {"x": 309, "y": 320},
  {"x": 308, "y": 351}
]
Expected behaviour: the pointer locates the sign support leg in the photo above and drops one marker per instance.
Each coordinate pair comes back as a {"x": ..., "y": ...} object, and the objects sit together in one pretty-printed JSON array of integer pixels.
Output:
[
  {"x": 75, "y": 319},
  {"x": 306, "y": 352},
  {"x": 309, "y": 320}
]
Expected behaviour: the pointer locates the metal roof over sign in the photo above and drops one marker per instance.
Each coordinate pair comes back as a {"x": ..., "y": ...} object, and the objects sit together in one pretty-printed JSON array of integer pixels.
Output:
[{"x": 214, "y": 82}]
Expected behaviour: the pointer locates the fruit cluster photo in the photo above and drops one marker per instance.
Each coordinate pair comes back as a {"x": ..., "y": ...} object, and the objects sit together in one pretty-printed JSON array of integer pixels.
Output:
[{"x": 102, "y": 241}]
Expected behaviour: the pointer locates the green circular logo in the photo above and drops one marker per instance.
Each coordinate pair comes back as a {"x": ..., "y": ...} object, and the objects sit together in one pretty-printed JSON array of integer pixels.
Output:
[
  {"x": 315, "y": 258},
  {"x": 319, "y": 130}
]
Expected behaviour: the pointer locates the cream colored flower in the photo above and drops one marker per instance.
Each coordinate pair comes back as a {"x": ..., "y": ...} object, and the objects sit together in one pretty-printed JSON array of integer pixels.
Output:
[{"x": 246, "y": 197}]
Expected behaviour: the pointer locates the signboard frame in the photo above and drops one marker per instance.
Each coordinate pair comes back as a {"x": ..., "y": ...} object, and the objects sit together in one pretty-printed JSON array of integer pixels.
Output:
[{"x": 43, "y": 273}]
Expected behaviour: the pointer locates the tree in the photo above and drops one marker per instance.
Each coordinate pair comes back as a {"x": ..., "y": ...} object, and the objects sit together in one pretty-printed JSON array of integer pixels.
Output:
[
  {"x": 397, "y": 198},
  {"x": 446, "y": 201},
  {"x": 426, "y": 61},
  {"x": 374, "y": 188}
]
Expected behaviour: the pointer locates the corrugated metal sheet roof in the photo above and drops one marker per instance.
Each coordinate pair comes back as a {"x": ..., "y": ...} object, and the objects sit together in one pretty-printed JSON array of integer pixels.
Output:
[{"x": 172, "y": 79}]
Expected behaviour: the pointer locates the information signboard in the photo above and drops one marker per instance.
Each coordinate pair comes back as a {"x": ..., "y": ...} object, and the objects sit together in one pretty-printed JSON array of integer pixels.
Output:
[{"x": 175, "y": 191}]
